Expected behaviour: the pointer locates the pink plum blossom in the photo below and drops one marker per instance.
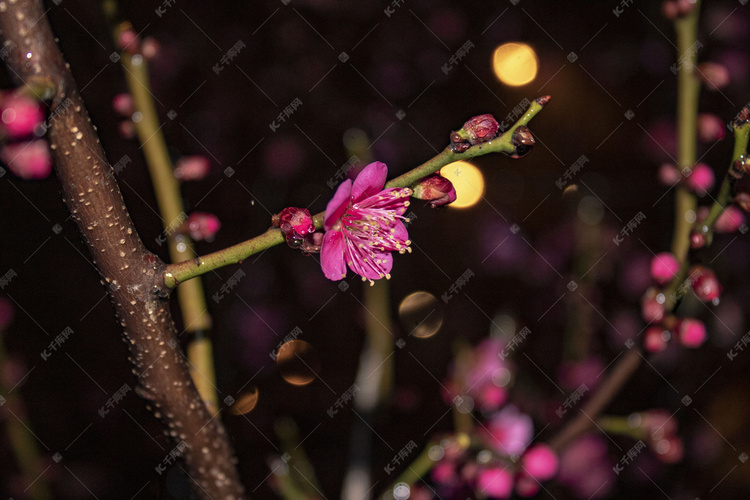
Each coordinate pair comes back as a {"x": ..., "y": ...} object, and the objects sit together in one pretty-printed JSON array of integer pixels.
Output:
[
  {"x": 363, "y": 226},
  {"x": 510, "y": 431}
]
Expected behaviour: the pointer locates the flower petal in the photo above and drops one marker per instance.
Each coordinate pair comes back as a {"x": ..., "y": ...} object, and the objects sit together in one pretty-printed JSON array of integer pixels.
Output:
[
  {"x": 370, "y": 181},
  {"x": 338, "y": 204},
  {"x": 332, "y": 255}
]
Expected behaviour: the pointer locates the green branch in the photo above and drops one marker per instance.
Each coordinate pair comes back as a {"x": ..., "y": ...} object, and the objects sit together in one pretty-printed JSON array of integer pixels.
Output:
[
  {"x": 179, "y": 272},
  {"x": 688, "y": 87}
]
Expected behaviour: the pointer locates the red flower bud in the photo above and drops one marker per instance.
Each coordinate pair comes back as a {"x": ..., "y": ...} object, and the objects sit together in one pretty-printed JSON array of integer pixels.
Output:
[
  {"x": 481, "y": 128},
  {"x": 655, "y": 339},
  {"x": 295, "y": 223},
  {"x": 123, "y": 104},
  {"x": 436, "y": 189},
  {"x": 652, "y": 306},
  {"x": 705, "y": 284}
]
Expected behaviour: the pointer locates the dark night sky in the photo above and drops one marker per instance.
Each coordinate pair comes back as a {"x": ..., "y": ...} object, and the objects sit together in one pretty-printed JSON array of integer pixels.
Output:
[{"x": 595, "y": 65}]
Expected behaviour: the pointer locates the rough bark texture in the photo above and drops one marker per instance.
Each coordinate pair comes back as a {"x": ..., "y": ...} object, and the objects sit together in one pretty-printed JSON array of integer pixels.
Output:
[{"x": 133, "y": 276}]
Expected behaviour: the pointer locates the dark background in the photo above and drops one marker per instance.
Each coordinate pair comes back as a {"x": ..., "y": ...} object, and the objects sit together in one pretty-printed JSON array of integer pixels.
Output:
[{"x": 394, "y": 63}]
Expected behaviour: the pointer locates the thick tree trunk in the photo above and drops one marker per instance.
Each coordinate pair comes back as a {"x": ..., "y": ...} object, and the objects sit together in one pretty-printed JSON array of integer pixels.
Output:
[{"x": 133, "y": 276}]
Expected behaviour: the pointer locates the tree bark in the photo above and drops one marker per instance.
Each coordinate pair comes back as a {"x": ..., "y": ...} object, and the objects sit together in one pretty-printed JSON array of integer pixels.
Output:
[{"x": 132, "y": 275}]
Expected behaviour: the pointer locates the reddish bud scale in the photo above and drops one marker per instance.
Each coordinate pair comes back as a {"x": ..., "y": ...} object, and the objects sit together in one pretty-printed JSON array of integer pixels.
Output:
[
  {"x": 436, "y": 189},
  {"x": 481, "y": 128}
]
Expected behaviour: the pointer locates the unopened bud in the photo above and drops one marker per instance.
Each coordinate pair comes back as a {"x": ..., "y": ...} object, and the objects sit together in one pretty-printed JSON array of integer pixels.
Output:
[
  {"x": 192, "y": 168},
  {"x": 436, "y": 189},
  {"x": 730, "y": 220},
  {"x": 705, "y": 285},
  {"x": 714, "y": 75},
  {"x": 479, "y": 129},
  {"x": 123, "y": 105},
  {"x": 21, "y": 115},
  {"x": 710, "y": 127},
  {"x": 202, "y": 226},
  {"x": 700, "y": 179},
  {"x": 295, "y": 223},
  {"x": 28, "y": 160}
]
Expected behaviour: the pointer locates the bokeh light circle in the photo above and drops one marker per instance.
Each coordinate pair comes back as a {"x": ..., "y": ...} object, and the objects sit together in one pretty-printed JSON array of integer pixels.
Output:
[
  {"x": 297, "y": 362},
  {"x": 515, "y": 64},
  {"x": 420, "y": 314},
  {"x": 468, "y": 181},
  {"x": 245, "y": 403}
]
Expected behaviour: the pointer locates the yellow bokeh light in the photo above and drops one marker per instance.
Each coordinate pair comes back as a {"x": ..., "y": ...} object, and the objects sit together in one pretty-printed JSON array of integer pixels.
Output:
[
  {"x": 468, "y": 181},
  {"x": 515, "y": 63}
]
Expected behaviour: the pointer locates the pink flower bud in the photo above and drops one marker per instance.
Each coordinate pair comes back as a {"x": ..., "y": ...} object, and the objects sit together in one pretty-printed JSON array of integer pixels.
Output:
[
  {"x": 700, "y": 179},
  {"x": 445, "y": 473},
  {"x": 28, "y": 160},
  {"x": 126, "y": 129},
  {"x": 697, "y": 240},
  {"x": 436, "y": 189},
  {"x": 655, "y": 339},
  {"x": 664, "y": 267},
  {"x": 710, "y": 128},
  {"x": 670, "y": 449},
  {"x": 495, "y": 483},
  {"x": 714, "y": 75},
  {"x": 670, "y": 9},
  {"x": 192, "y": 168},
  {"x": 21, "y": 115},
  {"x": 692, "y": 332},
  {"x": 479, "y": 129},
  {"x": 705, "y": 284},
  {"x": 129, "y": 41},
  {"x": 730, "y": 220},
  {"x": 652, "y": 306},
  {"x": 150, "y": 47},
  {"x": 669, "y": 175},
  {"x": 123, "y": 104},
  {"x": 203, "y": 226},
  {"x": 540, "y": 462}
]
